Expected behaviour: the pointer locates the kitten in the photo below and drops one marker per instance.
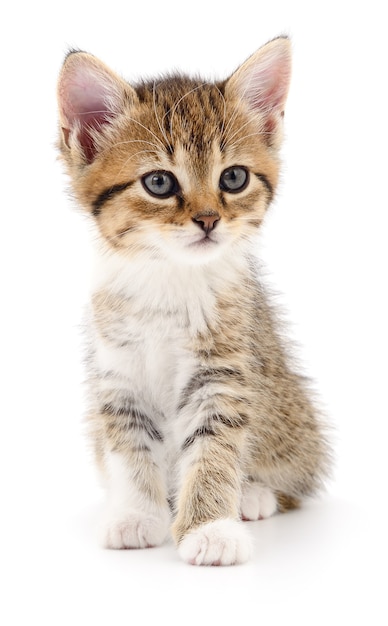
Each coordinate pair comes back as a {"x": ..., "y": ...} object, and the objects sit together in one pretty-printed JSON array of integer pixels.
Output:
[{"x": 196, "y": 416}]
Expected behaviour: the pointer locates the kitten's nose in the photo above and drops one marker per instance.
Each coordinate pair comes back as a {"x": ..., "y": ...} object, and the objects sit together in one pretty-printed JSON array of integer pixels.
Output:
[{"x": 207, "y": 222}]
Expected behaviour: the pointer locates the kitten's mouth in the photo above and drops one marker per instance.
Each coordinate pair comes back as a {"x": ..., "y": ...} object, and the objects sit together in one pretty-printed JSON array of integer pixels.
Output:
[
  {"x": 202, "y": 246},
  {"x": 204, "y": 242}
]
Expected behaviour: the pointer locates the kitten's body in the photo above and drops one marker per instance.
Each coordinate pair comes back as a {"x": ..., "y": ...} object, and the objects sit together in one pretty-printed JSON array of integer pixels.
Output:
[{"x": 195, "y": 408}]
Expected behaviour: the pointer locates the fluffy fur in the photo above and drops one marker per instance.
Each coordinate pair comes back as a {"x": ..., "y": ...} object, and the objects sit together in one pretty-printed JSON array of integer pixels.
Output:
[{"x": 196, "y": 415}]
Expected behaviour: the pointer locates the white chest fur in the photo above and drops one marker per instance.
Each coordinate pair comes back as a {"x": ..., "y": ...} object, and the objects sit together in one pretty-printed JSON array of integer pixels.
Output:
[{"x": 168, "y": 306}]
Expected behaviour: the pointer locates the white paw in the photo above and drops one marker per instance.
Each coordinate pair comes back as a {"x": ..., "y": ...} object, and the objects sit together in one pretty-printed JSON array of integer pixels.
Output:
[
  {"x": 257, "y": 502},
  {"x": 134, "y": 530},
  {"x": 223, "y": 542}
]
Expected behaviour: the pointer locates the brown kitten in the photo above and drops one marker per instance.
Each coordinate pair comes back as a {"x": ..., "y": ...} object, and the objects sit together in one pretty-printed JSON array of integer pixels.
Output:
[{"x": 196, "y": 414}]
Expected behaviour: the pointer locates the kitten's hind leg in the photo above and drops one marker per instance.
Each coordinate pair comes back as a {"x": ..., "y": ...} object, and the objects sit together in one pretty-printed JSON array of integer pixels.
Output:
[{"x": 257, "y": 502}]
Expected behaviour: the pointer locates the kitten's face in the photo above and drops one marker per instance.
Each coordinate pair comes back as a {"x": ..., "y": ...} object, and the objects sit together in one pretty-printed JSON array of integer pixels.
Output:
[{"x": 180, "y": 168}]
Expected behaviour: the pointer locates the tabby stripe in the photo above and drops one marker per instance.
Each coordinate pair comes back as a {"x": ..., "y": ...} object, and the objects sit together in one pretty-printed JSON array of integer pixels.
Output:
[
  {"x": 265, "y": 182},
  {"x": 209, "y": 376},
  {"x": 131, "y": 419},
  {"x": 203, "y": 431},
  {"x": 238, "y": 421},
  {"x": 106, "y": 195}
]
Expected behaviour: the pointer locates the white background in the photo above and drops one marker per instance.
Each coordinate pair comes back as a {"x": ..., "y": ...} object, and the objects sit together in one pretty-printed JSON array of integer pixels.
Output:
[{"x": 325, "y": 248}]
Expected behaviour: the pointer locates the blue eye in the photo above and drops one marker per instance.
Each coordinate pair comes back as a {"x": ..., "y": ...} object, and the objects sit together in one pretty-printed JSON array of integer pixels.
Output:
[
  {"x": 234, "y": 179},
  {"x": 160, "y": 184}
]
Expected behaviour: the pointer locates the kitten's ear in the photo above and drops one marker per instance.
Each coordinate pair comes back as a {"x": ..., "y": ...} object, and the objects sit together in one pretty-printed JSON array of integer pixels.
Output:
[
  {"x": 90, "y": 96},
  {"x": 263, "y": 81}
]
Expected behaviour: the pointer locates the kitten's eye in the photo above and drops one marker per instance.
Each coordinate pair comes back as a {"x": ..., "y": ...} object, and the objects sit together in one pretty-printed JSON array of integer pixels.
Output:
[
  {"x": 234, "y": 179},
  {"x": 160, "y": 184}
]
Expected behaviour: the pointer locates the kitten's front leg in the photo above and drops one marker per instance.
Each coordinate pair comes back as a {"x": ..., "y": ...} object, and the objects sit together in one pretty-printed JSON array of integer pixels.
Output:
[
  {"x": 137, "y": 514},
  {"x": 207, "y": 527}
]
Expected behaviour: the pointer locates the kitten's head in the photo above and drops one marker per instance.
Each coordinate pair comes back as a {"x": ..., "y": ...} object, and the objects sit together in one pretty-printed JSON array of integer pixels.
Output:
[{"x": 176, "y": 166}]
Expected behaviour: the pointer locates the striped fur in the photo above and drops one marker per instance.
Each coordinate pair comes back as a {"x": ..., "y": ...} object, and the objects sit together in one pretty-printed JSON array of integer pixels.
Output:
[{"x": 197, "y": 416}]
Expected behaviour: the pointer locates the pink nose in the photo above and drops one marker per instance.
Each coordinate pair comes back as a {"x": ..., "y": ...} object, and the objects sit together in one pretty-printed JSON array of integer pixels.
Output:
[{"x": 207, "y": 222}]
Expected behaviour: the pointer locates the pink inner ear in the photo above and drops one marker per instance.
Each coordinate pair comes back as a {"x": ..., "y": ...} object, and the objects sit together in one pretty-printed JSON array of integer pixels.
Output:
[
  {"x": 268, "y": 86},
  {"x": 84, "y": 94},
  {"x": 91, "y": 121},
  {"x": 263, "y": 80},
  {"x": 84, "y": 91}
]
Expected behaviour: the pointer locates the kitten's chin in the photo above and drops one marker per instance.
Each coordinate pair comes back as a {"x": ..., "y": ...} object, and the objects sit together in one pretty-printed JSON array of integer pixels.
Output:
[
  {"x": 193, "y": 250},
  {"x": 198, "y": 252}
]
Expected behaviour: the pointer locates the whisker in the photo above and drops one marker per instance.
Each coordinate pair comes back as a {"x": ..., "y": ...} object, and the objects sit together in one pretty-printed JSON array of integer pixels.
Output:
[
  {"x": 157, "y": 118},
  {"x": 237, "y": 141},
  {"x": 228, "y": 140},
  {"x": 236, "y": 110},
  {"x": 120, "y": 234},
  {"x": 124, "y": 232},
  {"x": 109, "y": 113},
  {"x": 123, "y": 143},
  {"x": 131, "y": 119},
  {"x": 224, "y": 116},
  {"x": 174, "y": 108},
  {"x": 117, "y": 178},
  {"x": 228, "y": 125}
]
